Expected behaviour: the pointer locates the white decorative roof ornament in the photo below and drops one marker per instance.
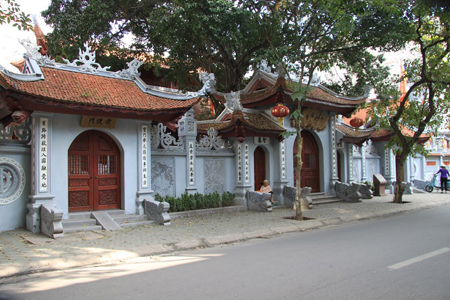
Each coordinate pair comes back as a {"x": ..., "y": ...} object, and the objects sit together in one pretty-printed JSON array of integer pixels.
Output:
[
  {"x": 209, "y": 81},
  {"x": 234, "y": 101},
  {"x": 87, "y": 60},
  {"x": 33, "y": 53},
  {"x": 315, "y": 80},
  {"x": 263, "y": 66},
  {"x": 132, "y": 70}
]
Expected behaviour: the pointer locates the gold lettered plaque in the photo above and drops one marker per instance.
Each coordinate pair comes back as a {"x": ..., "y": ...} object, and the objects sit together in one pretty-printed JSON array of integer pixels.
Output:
[
  {"x": 98, "y": 122},
  {"x": 313, "y": 119}
]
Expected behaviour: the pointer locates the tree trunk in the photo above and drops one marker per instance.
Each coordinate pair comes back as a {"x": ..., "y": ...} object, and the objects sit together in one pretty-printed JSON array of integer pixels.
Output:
[
  {"x": 399, "y": 165},
  {"x": 298, "y": 171}
]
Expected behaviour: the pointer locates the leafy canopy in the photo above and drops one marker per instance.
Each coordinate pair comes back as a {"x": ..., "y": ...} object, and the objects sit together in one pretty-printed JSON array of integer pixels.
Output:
[
  {"x": 217, "y": 36},
  {"x": 10, "y": 13}
]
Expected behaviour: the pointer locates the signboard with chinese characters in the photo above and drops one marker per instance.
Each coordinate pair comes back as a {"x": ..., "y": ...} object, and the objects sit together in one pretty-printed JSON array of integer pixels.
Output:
[
  {"x": 191, "y": 163},
  {"x": 98, "y": 122},
  {"x": 283, "y": 159},
  {"x": 239, "y": 163},
  {"x": 261, "y": 140},
  {"x": 247, "y": 163},
  {"x": 144, "y": 155},
  {"x": 43, "y": 155}
]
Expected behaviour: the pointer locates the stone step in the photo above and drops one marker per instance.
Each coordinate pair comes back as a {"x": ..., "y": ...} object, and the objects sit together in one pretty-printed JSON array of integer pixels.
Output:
[
  {"x": 322, "y": 199},
  {"x": 85, "y": 221},
  {"x": 82, "y": 228},
  {"x": 80, "y": 224},
  {"x": 80, "y": 215},
  {"x": 123, "y": 219}
]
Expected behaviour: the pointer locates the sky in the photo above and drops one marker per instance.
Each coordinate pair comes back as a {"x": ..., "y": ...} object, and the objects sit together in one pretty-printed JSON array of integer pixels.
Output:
[{"x": 10, "y": 48}]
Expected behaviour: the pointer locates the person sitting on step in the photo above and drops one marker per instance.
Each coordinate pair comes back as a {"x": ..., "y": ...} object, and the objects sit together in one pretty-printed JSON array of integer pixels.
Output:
[{"x": 265, "y": 188}]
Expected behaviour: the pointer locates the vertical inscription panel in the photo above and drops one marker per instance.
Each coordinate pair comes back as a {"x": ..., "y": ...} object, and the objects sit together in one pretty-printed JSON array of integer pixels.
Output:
[{"x": 43, "y": 155}]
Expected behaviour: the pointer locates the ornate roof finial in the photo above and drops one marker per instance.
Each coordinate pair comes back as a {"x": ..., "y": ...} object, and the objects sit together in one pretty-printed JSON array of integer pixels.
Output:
[
  {"x": 33, "y": 53},
  {"x": 87, "y": 60},
  {"x": 263, "y": 66},
  {"x": 209, "y": 81},
  {"x": 132, "y": 70},
  {"x": 234, "y": 101}
]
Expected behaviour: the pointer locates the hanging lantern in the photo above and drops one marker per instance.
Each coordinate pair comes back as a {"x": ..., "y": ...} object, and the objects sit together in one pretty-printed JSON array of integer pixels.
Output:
[
  {"x": 356, "y": 123},
  {"x": 280, "y": 111}
]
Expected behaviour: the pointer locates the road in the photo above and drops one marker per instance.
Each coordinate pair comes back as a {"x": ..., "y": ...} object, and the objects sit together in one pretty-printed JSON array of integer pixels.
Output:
[{"x": 401, "y": 257}]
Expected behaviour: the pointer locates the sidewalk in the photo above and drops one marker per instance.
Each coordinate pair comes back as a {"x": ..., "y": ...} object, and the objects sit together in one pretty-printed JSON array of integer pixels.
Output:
[{"x": 22, "y": 252}]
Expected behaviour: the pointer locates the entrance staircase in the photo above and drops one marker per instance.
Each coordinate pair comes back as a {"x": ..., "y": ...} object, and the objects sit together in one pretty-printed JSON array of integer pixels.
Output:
[
  {"x": 321, "y": 198},
  {"x": 102, "y": 220}
]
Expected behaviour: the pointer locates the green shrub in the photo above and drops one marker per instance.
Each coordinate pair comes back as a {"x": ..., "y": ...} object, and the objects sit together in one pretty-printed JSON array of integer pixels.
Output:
[
  {"x": 159, "y": 198},
  {"x": 227, "y": 199},
  {"x": 197, "y": 201}
]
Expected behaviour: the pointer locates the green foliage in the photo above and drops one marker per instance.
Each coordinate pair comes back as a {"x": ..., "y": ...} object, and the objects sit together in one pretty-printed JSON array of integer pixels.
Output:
[
  {"x": 197, "y": 201},
  {"x": 10, "y": 13},
  {"x": 227, "y": 199},
  {"x": 425, "y": 105},
  {"x": 223, "y": 37}
]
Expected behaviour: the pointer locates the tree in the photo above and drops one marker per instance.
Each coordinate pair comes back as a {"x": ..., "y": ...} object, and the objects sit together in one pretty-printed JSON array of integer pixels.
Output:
[
  {"x": 10, "y": 13},
  {"x": 218, "y": 36},
  {"x": 424, "y": 107},
  {"x": 320, "y": 34}
]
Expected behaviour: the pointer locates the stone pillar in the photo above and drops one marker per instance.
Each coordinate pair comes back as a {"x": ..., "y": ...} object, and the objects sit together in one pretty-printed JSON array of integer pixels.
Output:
[
  {"x": 389, "y": 169},
  {"x": 242, "y": 172},
  {"x": 363, "y": 162},
  {"x": 350, "y": 163},
  {"x": 144, "y": 182},
  {"x": 188, "y": 131},
  {"x": 334, "y": 173},
  {"x": 411, "y": 169},
  {"x": 281, "y": 180},
  {"x": 41, "y": 166}
]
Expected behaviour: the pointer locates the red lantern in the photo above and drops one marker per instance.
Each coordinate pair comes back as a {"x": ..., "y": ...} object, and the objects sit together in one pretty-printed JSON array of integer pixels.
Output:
[
  {"x": 356, "y": 123},
  {"x": 280, "y": 111}
]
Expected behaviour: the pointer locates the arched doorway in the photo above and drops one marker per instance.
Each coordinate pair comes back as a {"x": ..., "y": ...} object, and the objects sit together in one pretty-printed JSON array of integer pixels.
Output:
[
  {"x": 94, "y": 172},
  {"x": 310, "y": 174},
  {"x": 259, "y": 166}
]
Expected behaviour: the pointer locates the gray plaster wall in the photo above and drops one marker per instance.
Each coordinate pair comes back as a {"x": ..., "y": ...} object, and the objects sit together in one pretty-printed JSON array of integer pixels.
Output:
[
  {"x": 372, "y": 167},
  {"x": 12, "y": 215}
]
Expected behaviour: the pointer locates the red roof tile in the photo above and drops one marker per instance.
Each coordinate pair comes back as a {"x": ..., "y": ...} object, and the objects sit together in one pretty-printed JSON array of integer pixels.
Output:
[{"x": 86, "y": 89}]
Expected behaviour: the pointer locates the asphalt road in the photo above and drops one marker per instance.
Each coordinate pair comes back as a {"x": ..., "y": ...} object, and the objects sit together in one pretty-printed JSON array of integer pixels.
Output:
[{"x": 401, "y": 257}]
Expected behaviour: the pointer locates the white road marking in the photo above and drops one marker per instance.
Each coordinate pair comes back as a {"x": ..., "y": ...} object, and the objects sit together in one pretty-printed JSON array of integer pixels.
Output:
[{"x": 418, "y": 259}]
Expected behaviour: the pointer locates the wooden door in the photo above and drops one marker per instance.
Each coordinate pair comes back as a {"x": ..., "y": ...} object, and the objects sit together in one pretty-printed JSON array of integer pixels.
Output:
[
  {"x": 94, "y": 172},
  {"x": 260, "y": 167},
  {"x": 310, "y": 174}
]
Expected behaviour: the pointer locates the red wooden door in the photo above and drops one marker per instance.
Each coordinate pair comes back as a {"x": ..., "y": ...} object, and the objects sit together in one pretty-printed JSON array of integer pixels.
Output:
[
  {"x": 94, "y": 172},
  {"x": 310, "y": 174},
  {"x": 338, "y": 162},
  {"x": 260, "y": 167}
]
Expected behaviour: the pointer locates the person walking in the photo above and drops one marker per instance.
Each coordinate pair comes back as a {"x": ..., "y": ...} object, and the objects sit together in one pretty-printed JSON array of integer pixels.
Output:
[{"x": 444, "y": 178}]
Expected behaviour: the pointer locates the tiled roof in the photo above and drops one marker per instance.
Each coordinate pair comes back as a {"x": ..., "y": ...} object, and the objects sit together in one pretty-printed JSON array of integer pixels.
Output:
[
  {"x": 351, "y": 133},
  {"x": 257, "y": 121},
  {"x": 316, "y": 93},
  {"x": 80, "y": 88}
]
